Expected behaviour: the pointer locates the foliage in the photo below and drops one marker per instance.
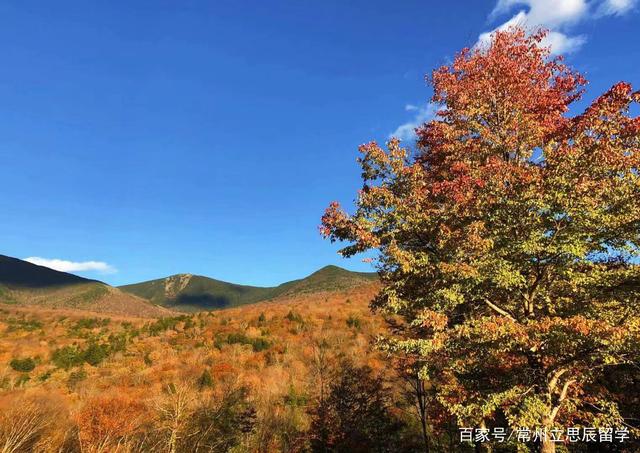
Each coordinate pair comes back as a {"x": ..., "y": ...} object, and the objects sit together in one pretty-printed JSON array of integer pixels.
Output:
[
  {"x": 508, "y": 243},
  {"x": 356, "y": 415},
  {"x": 205, "y": 380},
  {"x": 169, "y": 323},
  {"x": 218, "y": 425},
  {"x": 273, "y": 413},
  {"x": 294, "y": 317},
  {"x": 22, "y": 426},
  {"x": 354, "y": 322},
  {"x": 95, "y": 353},
  {"x": 67, "y": 357},
  {"x": 28, "y": 325},
  {"x": 24, "y": 365},
  {"x": 108, "y": 421},
  {"x": 91, "y": 323},
  {"x": 21, "y": 380},
  {"x": 75, "y": 377},
  {"x": 295, "y": 398},
  {"x": 118, "y": 342},
  {"x": 258, "y": 344},
  {"x": 72, "y": 356}
]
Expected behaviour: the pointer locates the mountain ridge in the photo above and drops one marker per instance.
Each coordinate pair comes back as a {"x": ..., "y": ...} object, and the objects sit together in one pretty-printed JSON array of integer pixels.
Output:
[
  {"x": 198, "y": 292},
  {"x": 26, "y": 284}
]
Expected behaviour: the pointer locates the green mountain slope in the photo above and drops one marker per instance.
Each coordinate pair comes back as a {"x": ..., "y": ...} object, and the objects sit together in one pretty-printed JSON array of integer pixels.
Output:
[
  {"x": 188, "y": 292},
  {"x": 26, "y": 284},
  {"x": 194, "y": 292},
  {"x": 329, "y": 278}
]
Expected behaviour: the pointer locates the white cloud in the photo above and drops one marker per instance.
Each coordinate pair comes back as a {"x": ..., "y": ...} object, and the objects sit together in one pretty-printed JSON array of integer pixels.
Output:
[
  {"x": 615, "y": 7},
  {"x": 71, "y": 266},
  {"x": 559, "y": 43},
  {"x": 406, "y": 131},
  {"x": 550, "y": 13},
  {"x": 557, "y": 16}
]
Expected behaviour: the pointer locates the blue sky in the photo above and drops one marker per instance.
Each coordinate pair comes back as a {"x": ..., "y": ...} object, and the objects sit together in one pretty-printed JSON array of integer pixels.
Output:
[{"x": 140, "y": 139}]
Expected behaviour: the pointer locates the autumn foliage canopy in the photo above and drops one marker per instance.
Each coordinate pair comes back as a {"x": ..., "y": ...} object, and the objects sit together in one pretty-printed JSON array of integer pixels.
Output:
[{"x": 509, "y": 240}]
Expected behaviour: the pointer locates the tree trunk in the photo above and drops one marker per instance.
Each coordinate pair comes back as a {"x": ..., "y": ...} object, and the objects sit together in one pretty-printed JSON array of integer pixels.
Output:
[
  {"x": 481, "y": 447},
  {"x": 173, "y": 440},
  {"x": 548, "y": 446},
  {"x": 425, "y": 435}
]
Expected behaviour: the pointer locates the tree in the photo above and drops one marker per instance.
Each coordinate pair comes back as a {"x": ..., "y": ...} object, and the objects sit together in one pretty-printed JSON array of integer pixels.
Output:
[
  {"x": 107, "y": 423},
  {"x": 218, "y": 424},
  {"x": 508, "y": 242},
  {"x": 355, "y": 415},
  {"x": 174, "y": 409},
  {"x": 419, "y": 393}
]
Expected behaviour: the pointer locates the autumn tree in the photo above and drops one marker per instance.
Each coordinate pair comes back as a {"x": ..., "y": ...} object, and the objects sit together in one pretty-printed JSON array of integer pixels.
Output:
[
  {"x": 508, "y": 241},
  {"x": 174, "y": 409},
  {"x": 419, "y": 393},
  {"x": 109, "y": 423}
]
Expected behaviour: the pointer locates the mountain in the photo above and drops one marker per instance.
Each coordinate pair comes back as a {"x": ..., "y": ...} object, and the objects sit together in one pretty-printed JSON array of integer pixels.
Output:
[
  {"x": 26, "y": 284},
  {"x": 17, "y": 273},
  {"x": 329, "y": 278},
  {"x": 186, "y": 292}
]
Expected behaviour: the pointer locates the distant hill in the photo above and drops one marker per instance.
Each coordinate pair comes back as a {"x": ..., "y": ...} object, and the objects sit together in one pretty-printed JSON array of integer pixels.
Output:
[
  {"x": 17, "y": 273},
  {"x": 23, "y": 283},
  {"x": 186, "y": 292},
  {"x": 329, "y": 278}
]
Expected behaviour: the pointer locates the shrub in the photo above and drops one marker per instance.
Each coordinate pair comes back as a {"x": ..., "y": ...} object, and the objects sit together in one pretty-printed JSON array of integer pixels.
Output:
[
  {"x": 258, "y": 344},
  {"x": 220, "y": 422},
  {"x": 118, "y": 342},
  {"x": 108, "y": 421},
  {"x": 67, "y": 357},
  {"x": 189, "y": 323},
  {"x": 23, "y": 324},
  {"x": 45, "y": 376},
  {"x": 294, "y": 317},
  {"x": 294, "y": 398},
  {"x": 75, "y": 377},
  {"x": 96, "y": 353},
  {"x": 21, "y": 380},
  {"x": 91, "y": 323},
  {"x": 23, "y": 365},
  {"x": 163, "y": 324},
  {"x": 354, "y": 322},
  {"x": 205, "y": 380}
]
